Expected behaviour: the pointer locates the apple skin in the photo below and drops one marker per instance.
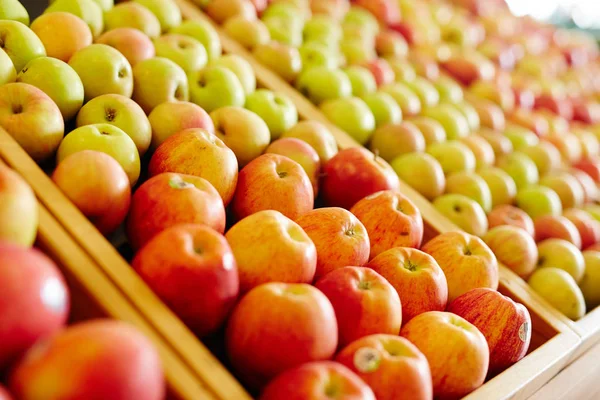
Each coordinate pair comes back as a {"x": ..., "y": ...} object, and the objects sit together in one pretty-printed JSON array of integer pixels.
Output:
[
  {"x": 62, "y": 34},
  {"x": 514, "y": 247},
  {"x": 20, "y": 43},
  {"x": 247, "y": 32},
  {"x": 284, "y": 60},
  {"x": 38, "y": 127},
  {"x": 417, "y": 278},
  {"x": 559, "y": 253},
  {"x": 501, "y": 145},
  {"x": 204, "y": 32},
  {"x": 432, "y": 130},
  {"x": 390, "y": 44},
  {"x": 352, "y": 115},
  {"x": 591, "y": 167},
  {"x": 4, "y": 395},
  {"x": 453, "y": 156},
  {"x": 88, "y": 10},
  {"x": 589, "y": 282},
  {"x": 276, "y": 109},
  {"x": 216, "y": 87},
  {"x": 505, "y": 324},
  {"x": 35, "y": 300},
  {"x": 430, "y": 182},
  {"x": 538, "y": 200},
  {"x": 502, "y": 187},
  {"x": 510, "y": 215},
  {"x": 170, "y": 118},
  {"x": 221, "y": 10},
  {"x": 391, "y": 220},
  {"x": 256, "y": 330},
  {"x": 15, "y": 11},
  {"x": 556, "y": 226},
  {"x": 461, "y": 341},
  {"x": 466, "y": 260},
  {"x": 197, "y": 278},
  {"x": 384, "y": 108},
  {"x": 132, "y": 43},
  {"x": 7, "y": 69},
  {"x": 365, "y": 303},
  {"x": 546, "y": 157},
  {"x": 490, "y": 115},
  {"x": 407, "y": 99},
  {"x": 520, "y": 137},
  {"x": 125, "y": 364},
  {"x": 321, "y": 83},
  {"x": 301, "y": 152},
  {"x": 167, "y": 12},
  {"x": 483, "y": 151},
  {"x": 454, "y": 123},
  {"x": 184, "y": 50},
  {"x": 463, "y": 211},
  {"x": 521, "y": 168},
  {"x": 377, "y": 358},
  {"x": 559, "y": 289},
  {"x": 590, "y": 190},
  {"x": 158, "y": 80},
  {"x": 317, "y": 136},
  {"x": 471, "y": 185},
  {"x": 240, "y": 67},
  {"x": 568, "y": 145},
  {"x": 200, "y": 153},
  {"x": 19, "y": 211},
  {"x": 393, "y": 140},
  {"x": 567, "y": 187},
  {"x": 425, "y": 90},
  {"x": 361, "y": 79},
  {"x": 588, "y": 227},
  {"x": 169, "y": 199},
  {"x": 353, "y": 174},
  {"x": 132, "y": 15}
]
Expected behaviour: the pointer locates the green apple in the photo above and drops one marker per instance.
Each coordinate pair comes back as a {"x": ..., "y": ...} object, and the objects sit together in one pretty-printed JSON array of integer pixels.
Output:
[
  {"x": 454, "y": 123},
  {"x": 483, "y": 151},
  {"x": 357, "y": 51},
  {"x": 471, "y": 185},
  {"x": 545, "y": 155},
  {"x": 248, "y": 32},
  {"x": 285, "y": 29},
  {"x": 362, "y": 19},
  {"x": 384, "y": 109},
  {"x": 58, "y": 80},
  {"x": 403, "y": 70},
  {"x": 121, "y": 112},
  {"x": 593, "y": 210},
  {"x": 102, "y": 70},
  {"x": 320, "y": 84},
  {"x": 244, "y": 132},
  {"x": 20, "y": 43},
  {"x": 275, "y": 109},
  {"x": 285, "y": 9},
  {"x": 520, "y": 137},
  {"x": 185, "y": 51},
  {"x": 216, "y": 87},
  {"x": 590, "y": 283},
  {"x": 466, "y": 213},
  {"x": 132, "y": 15},
  {"x": 559, "y": 289},
  {"x": 538, "y": 201},
  {"x": 107, "y": 139},
  {"x": 240, "y": 67},
  {"x": 501, "y": 145},
  {"x": 559, "y": 253},
  {"x": 407, "y": 99},
  {"x": 426, "y": 92},
  {"x": 105, "y": 5},
  {"x": 317, "y": 135},
  {"x": 352, "y": 115},
  {"x": 520, "y": 168},
  {"x": 470, "y": 113},
  {"x": 422, "y": 172},
  {"x": 449, "y": 90},
  {"x": 284, "y": 60},
  {"x": 502, "y": 187},
  {"x": 432, "y": 130},
  {"x": 361, "y": 79},
  {"x": 14, "y": 10},
  {"x": 322, "y": 29},
  {"x": 158, "y": 80},
  {"x": 392, "y": 140},
  {"x": 88, "y": 10},
  {"x": 167, "y": 12},
  {"x": 453, "y": 156},
  {"x": 8, "y": 73},
  {"x": 205, "y": 33},
  {"x": 315, "y": 54},
  {"x": 567, "y": 187}
]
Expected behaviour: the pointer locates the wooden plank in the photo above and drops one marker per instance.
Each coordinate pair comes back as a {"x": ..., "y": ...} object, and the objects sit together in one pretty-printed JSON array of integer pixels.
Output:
[{"x": 589, "y": 326}]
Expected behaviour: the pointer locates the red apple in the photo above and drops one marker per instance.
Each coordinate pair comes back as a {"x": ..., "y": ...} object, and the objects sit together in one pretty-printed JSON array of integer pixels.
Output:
[
  {"x": 514, "y": 247},
  {"x": 557, "y": 227},
  {"x": 301, "y": 152},
  {"x": 590, "y": 190},
  {"x": 381, "y": 70},
  {"x": 132, "y": 43},
  {"x": 558, "y": 105},
  {"x": 4, "y": 395},
  {"x": 510, "y": 215},
  {"x": 588, "y": 227},
  {"x": 386, "y": 11},
  {"x": 586, "y": 112},
  {"x": 591, "y": 166},
  {"x": 468, "y": 67}
]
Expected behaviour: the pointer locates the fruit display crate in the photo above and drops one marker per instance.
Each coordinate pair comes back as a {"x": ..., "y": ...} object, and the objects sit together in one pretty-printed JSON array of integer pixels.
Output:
[{"x": 93, "y": 296}]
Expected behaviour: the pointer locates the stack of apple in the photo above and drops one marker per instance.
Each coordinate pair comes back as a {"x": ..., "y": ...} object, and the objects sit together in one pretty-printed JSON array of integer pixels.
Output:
[{"x": 34, "y": 307}]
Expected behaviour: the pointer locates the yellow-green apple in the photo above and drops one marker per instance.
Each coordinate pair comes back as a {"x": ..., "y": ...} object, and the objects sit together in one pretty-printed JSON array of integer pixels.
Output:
[
  {"x": 102, "y": 70},
  {"x": 256, "y": 330},
  {"x": 124, "y": 363},
  {"x": 8, "y": 73},
  {"x": 132, "y": 15},
  {"x": 284, "y": 60},
  {"x": 198, "y": 152},
  {"x": 588, "y": 227},
  {"x": 502, "y": 187},
  {"x": 510, "y": 215},
  {"x": 204, "y": 32},
  {"x": 483, "y": 151},
  {"x": 377, "y": 357},
  {"x": 311, "y": 381},
  {"x": 15, "y": 11},
  {"x": 361, "y": 80},
  {"x": 240, "y": 67},
  {"x": 514, "y": 247},
  {"x": 169, "y": 199},
  {"x": 20, "y": 43},
  {"x": 463, "y": 211},
  {"x": 567, "y": 187},
  {"x": 199, "y": 269},
  {"x": 556, "y": 226},
  {"x": 99, "y": 187},
  {"x": 339, "y": 237},
  {"x": 167, "y": 12},
  {"x": 429, "y": 181},
  {"x": 242, "y": 131},
  {"x": 362, "y": 19},
  {"x": 276, "y": 109},
  {"x": 105, "y": 5},
  {"x": 505, "y": 324},
  {"x": 169, "y": 118},
  {"x": 427, "y": 93},
  {"x": 521, "y": 168},
  {"x": 589, "y": 283},
  {"x": 453, "y": 156},
  {"x": 353, "y": 174},
  {"x": 322, "y": 29},
  {"x": 31, "y": 118},
  {"x": 590, "y": 147},
  {"x": 301, "y": 152},
  {"x": 462, "y": 341},
  {"x": 19, "y": 211},
  {"x": 215, "y": 87},
  {"x": 407, "y": 99},
  {"x": 390, "y": 44},
  {"x": 490, "y": 115},
  {"x": 317, "y": 136},
  {"x": 58, "y": 80},
  {"x": 546, "y": 157},
  {"x": 88, "y": 10},
  {"x": 391, "y": 220},
  {"x": 286, "y": 29},
  {"x": 287, "y": 184},
  {"x": 248, "y": 32},
  {"x": 568, "y": 145},
  {"x": 593, "y": 210},
  {"x": 501, "y": 145},
  {"x": 364, "y": 302},
  {"x": 352, "y": 115},
  {"x": 403, "y": 70},
  {"x": 520, "y": 137},
  {"x": 471, "y": 185},
  {"x": 319, "y": 84},
  {"x": 384, "y": 108},
  {"x": 591, "y": 166},
  {"x": 469, "y": 112},
  {"x": 466, "y": 260},
  {"x": 132, "y": 43},
  {"x": 501, "y": 95},
  {"x": 184, "y": 50},
  {"x": 559, "y": 289},
  {"x": 393, "y": 140},
  {"x": 62, "y": 34},
  {"x": 35, "y": 300},
  {"x": 158, "y": 80},
  {"x": 105, "y": 138},
  {"x": 455, "y": 124},
  {"x": 432, "y": 130},
  {"x": 417, "y": 278},
  {"x": 538, "y": 200},
  {"x": 559, "y": 253}
]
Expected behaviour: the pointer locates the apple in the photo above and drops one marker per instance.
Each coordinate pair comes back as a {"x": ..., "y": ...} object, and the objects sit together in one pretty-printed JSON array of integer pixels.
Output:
[
  {"x": 7, "y": 69},
  {"x": 221, "y": 10},
  {"x": 125, "y": 364},
  {"x": 4, "y": 395},
  {"x": 35, "y": 300},
  {"x": 62, "y": 34},
  {"x": 184, "y": 50},
  {"x": 490, "y": 115},
  {"x": 556, "y": 104},
  {"x": 472, "y": 186},
  {"x": 510, "y": 215},
  {"x": 317, "y": 136},
  {"x": 248, "y": 32},
  {"x": 19, "y": 212},
  {"x": 158, "y": 80},
  {"x": 319, "y": 84},
  {"x": 530, "y": 120},
  {"x": 286, "y": 29},
  {"x": 546, "y": 157},
  {"x": 514, "y": 247},
  {"x": 588, "y": 227},
  {"x": 461, "y": 341},
  {"x": 407, "y": 99},
  {"x": 58, "y": 80},
  {"x": 454, "y": 123},
  {"x": 483, "y": 151},
  {"x": 567, "y": 187},
  {"x": 500, "y": 95},
  {"x": 591, "y": 166},
  {"x": 429, "y": 182},
  {"x": 462, "y": 211},
  {"x": 384, "y": 108},
  {"x": 215, "y": 87},
  {"x": 204, "y": 32},
  {"x": 559, "y": 289},
  {"x": 132, "y": 43},
  {"x": 31, "y": 118},
  {"x": 277, "y": 110},
  {"x": 538, "y": 201},
  {"x": 521, "y": 168},
  {"x": 501, "y": 186},
  {"x": 393, "y": 140},
  {"x": 167, "y": 12},
  {"x": 403, "y": 70},
  {"x": 13, "y": 10},
  {"x": 390, "y": 44},
  {"x": 469, "y": 67},
  {"x": 590, "y": 145},
  {"x": 361, "y": 80},
  {"x": 520, "y": 137},
  {"x": 425, "y": 64},
  {"x": 432, "y": 130},
  {"x": 427, "y": 93},
  {"x": 322, "y": 29},
  {"x": 352, "y": 115},
  {"x": 88, "y": 10},
  {"x": 169, "y": 118},
  {"x": 453, "y": 156},
  {"x": 555, "y": 226},
  {"x": 301, "y": 152},
  {"x": 20, "y": 43},
  {"x": 132, "y": 15},
  {"x": 589, "y": 282},
  {"x": 449, "y": 90},
  {"x": 282, "y": 59},
  {"x": 362, "y": 19},
  {"x": 505, "y": 324},
  {"x": 501, "y": 145},
  {"x": 568, "y": 145},
  {"x": 105, "y": 5},
  {"x": 241, "y": 68},
  {"x": 354, "y": 173},
  {"x": 559, "y": 253},
  {"x": 381, "y": 70}
]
